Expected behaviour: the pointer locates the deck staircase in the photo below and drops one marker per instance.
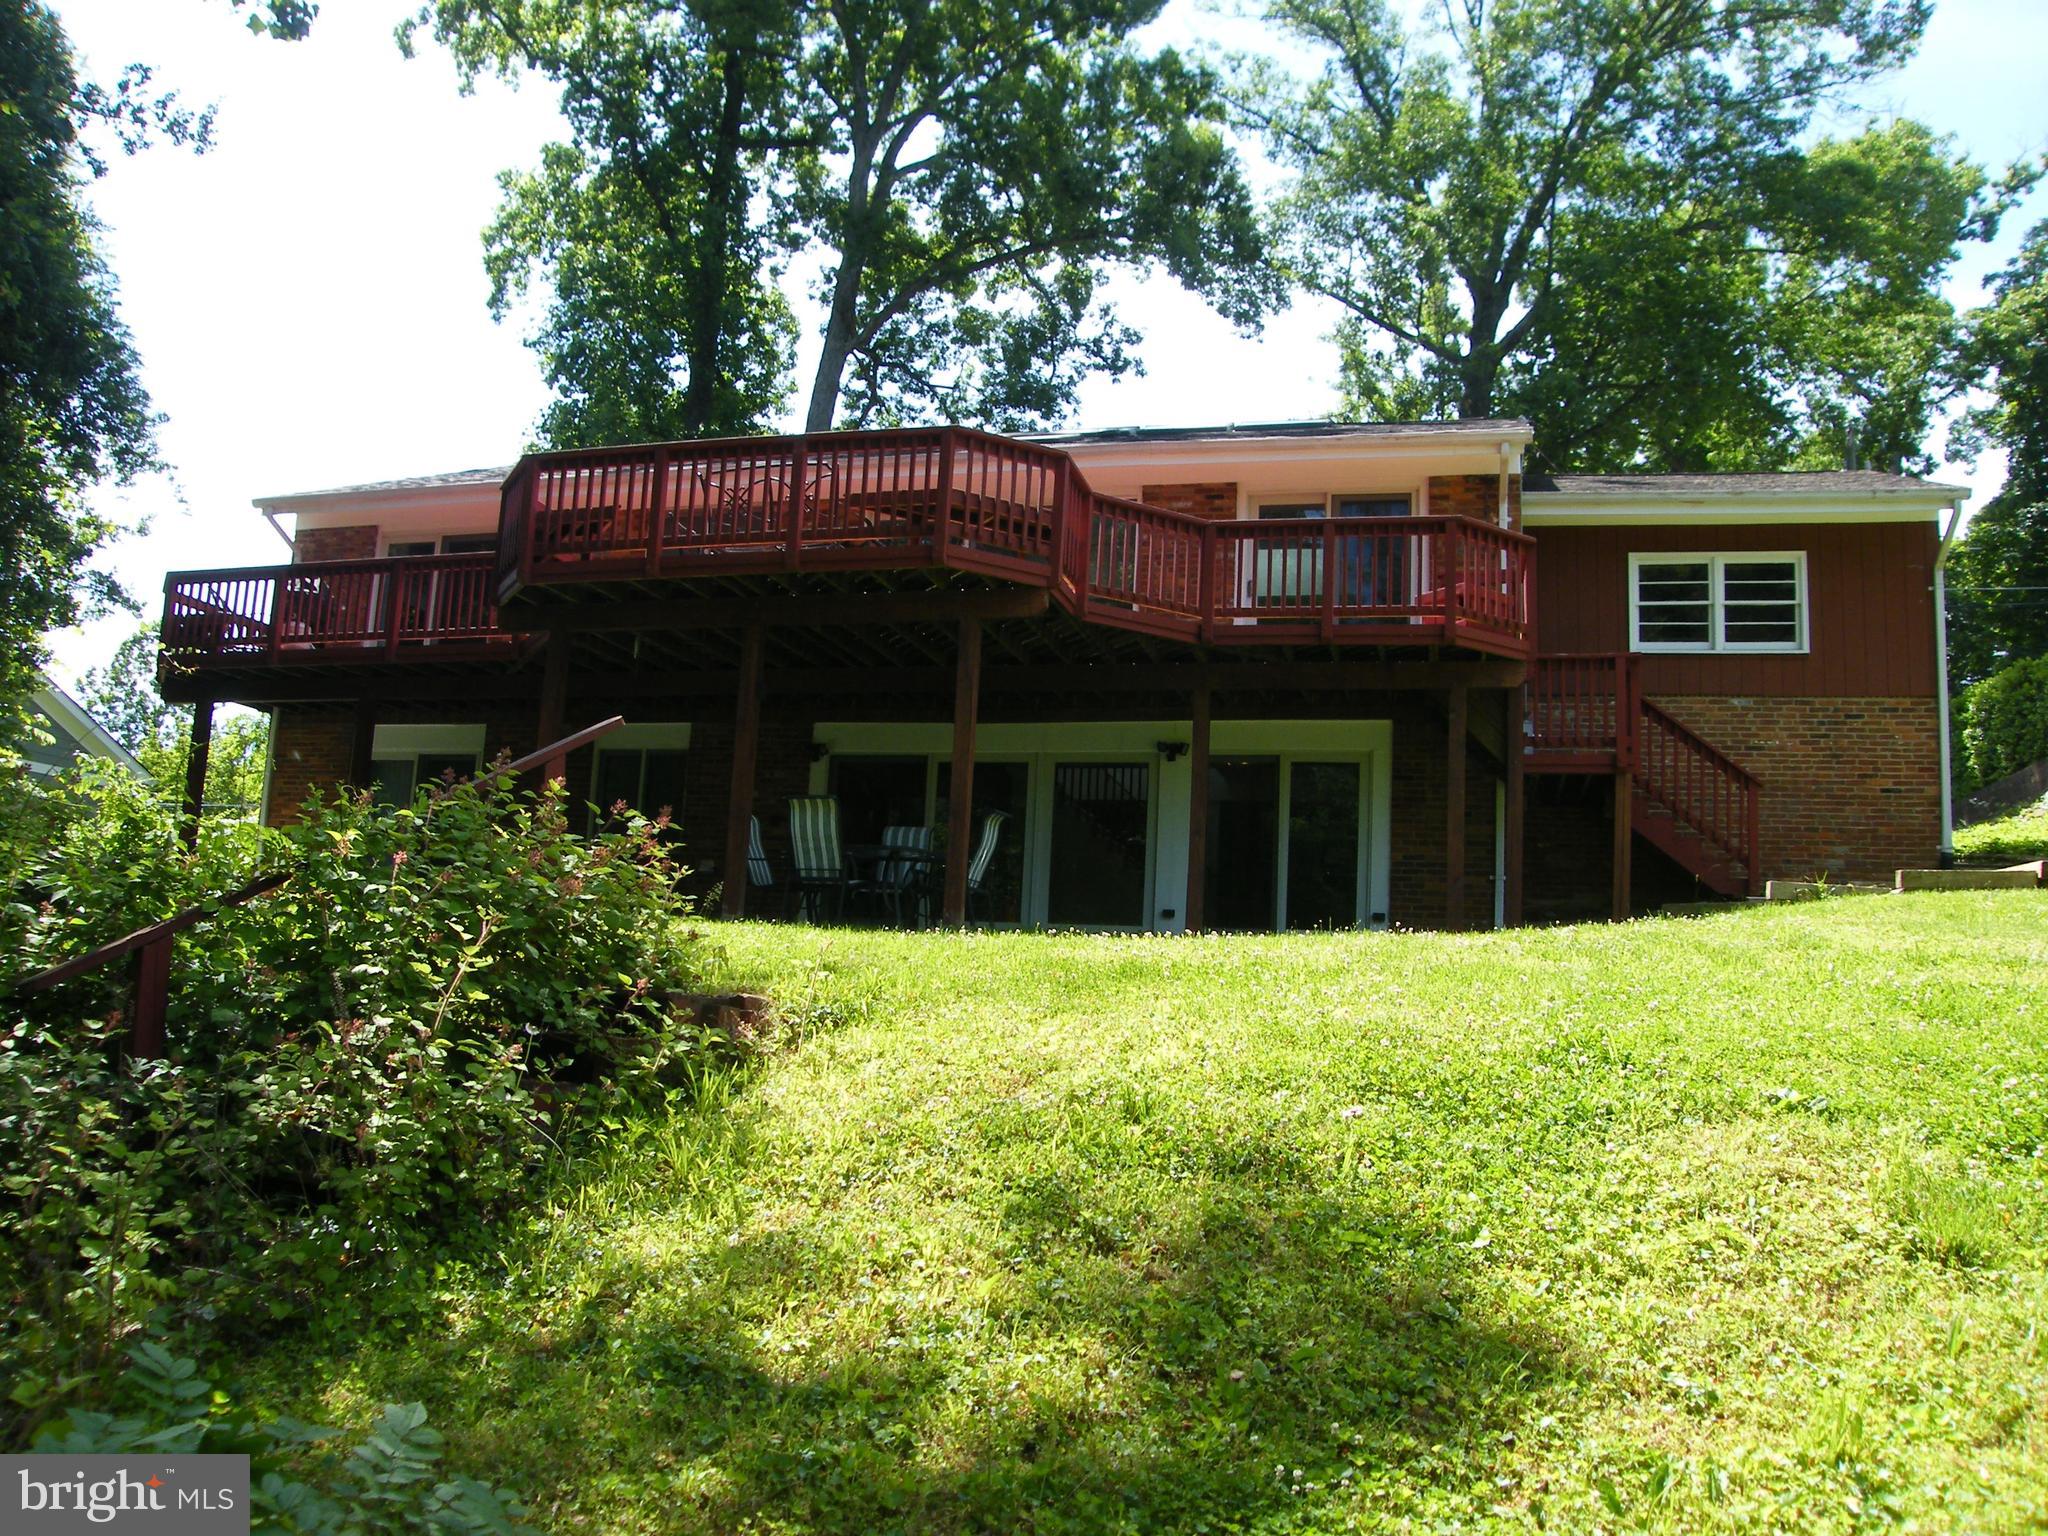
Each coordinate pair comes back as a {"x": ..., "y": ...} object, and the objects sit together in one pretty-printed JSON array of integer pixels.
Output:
[{"x": 1687, "y": 798}]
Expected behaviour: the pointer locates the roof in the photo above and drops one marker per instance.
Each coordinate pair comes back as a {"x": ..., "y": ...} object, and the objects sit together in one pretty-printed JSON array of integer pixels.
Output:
[
  {"x": 1817, "y": 482},
  {"x": 1511, "y": 426},
  {"x": 70, "y": 719},
  {"x": 494, "y": 475}
]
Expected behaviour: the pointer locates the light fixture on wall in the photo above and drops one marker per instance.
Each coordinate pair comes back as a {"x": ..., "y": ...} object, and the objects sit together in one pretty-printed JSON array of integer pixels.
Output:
[
  {"x": 1172, "y": 751},
  {"x": 820, "y": 750}
]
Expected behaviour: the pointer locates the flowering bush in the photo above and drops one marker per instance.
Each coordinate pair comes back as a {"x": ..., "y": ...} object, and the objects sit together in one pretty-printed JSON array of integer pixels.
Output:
[{"x": 371, "y": 1059}]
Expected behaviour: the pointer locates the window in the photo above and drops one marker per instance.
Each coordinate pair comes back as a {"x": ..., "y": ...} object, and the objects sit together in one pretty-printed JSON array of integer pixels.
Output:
[
  {"x": 1371, "y": 506},
  {"x": 470, "y": 544},
  {"x": 1733, "y": 602},
  {"x": 645, "y": 778},
  {"x": 394, "y": 780},
  {"x": 1269, "y": 510}
]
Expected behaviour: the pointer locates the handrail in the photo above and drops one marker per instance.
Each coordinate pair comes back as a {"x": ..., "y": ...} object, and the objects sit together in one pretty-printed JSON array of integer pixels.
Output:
[
  {"x": 958, "y": 496},
  {"x": 1701, "y": 785},
  {"x": 152, "y": 944}
]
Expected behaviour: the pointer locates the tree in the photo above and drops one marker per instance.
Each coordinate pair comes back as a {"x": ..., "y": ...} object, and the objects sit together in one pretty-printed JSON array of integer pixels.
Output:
[
  {"x": 73, "y": 411},
  {"x": 123, "y": 697},
  {"x": 969, "y": 173},
  {"x": 1998, "y": 573},
  {"x": 1599, "y": 213}
]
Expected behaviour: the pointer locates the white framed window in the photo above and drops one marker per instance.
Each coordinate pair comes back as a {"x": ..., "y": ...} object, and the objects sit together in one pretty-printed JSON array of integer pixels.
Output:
[{"x": 1742, "y": 600}]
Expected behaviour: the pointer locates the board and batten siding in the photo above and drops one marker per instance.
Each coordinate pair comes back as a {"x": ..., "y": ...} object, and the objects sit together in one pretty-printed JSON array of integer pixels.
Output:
[{"x": 1870, "y": 607}]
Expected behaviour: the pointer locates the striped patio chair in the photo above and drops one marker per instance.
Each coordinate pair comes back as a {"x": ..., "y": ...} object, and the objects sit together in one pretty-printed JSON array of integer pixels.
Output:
[
  {"x": 984, "y": 858},
  {"x": 898, "y": 880},
  {"x": 819, "y": 871},
  {"x": 760, "y": 873}
]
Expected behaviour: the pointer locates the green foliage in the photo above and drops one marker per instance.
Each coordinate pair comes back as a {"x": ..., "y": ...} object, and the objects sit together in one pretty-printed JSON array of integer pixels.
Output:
[
  {"x": 123, "y": 697},
  {"x": 2014, "y": 839},
  {"x": 1526, "y": 210},
  {"x": 1998, "y": 573},
  {"x": 973, "y": 172},
  {"x": 389, "y": 1483},
  {"x": 364, "y": 1065},
  {"x": 2005, "y": 720},
  {"x": 1731, "y": 1223}
]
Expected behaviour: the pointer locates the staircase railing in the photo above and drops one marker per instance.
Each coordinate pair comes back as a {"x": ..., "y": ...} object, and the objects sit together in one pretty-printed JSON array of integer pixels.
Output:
[
  {"x": 1700, "y": 785},
  {"x": 1581, "y": 706}
]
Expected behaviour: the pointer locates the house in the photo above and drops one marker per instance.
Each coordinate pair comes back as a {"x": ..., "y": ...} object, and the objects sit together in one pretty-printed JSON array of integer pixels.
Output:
[
  {"x": 62, "y": 731},
  {"x": 1280, "y": 676}
]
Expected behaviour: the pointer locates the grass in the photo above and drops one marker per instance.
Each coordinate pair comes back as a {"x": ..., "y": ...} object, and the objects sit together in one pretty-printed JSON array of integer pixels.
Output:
[
  {"x": 1733, "y": 1223},
  {"x": 2011, "y": 839}
]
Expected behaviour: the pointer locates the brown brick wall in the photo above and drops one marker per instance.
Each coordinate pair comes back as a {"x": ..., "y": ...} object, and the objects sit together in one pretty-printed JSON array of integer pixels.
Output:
[
  {"x": 309, "y": 750},
  {"x": 1850, "y": 787},
  {"x": 358, "y": 542},
  {"x": 1415, "y": 884},
  {"x": 1211, "y": 499},
  {"x": 1476, "y": 496}
]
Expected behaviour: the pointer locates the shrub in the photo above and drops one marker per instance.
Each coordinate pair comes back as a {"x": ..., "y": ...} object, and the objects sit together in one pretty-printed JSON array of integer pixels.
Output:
[
  {"x": 389, "y": 1482},
  {"x": 374, "y": 1059},
  {"x": 2005, "y": 720}
]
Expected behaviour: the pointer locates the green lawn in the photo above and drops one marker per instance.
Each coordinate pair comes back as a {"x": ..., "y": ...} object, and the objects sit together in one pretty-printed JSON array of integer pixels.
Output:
[
  {"x": 2010, "y": 839},
  {"x": 1735, "y": 1223}
]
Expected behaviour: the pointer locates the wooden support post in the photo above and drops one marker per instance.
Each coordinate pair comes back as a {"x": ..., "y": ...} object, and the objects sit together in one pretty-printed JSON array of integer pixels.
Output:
[
  {"x": 746, "y": 737},
  {"x": 1516, "y": 742},
  {"x": 1457, "y": 705},
  {"x": 554, "y": 702},
  {"x": 1624, "y": 836},
  {"x": 1198, "y": 810},
  {"x": 152, "y": 1000},
  {"x": 195, "y": 770},
  {"x": 361, "y": 766},
  {"x": 960, "y": 791}
]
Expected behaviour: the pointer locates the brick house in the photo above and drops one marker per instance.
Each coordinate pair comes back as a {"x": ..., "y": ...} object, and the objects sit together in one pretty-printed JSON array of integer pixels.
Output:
[{"x": 1295, "y": 675}]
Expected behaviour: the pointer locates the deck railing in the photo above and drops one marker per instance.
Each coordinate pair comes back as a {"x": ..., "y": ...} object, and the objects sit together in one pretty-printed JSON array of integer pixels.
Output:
[
  {"x": 1588, "y": 711},
  {"x": 957, "y": 497},
  {"x": 319, "y": 609},
  {"x": 951, "y": 496}
]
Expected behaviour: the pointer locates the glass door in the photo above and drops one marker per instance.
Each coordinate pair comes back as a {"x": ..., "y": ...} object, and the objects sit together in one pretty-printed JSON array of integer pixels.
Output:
[
  {"x": 1241, "y": 882},
  {"x": 1322, "y": 844},
  {"x": 1003, "y": 787},
  {"x": 1101, "y": 834}
]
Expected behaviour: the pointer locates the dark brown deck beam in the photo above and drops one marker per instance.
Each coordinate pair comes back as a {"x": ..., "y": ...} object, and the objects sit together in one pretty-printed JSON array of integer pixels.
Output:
[
  {"x": 782, "y": 612},
  {"x": 960, "y": 804},
  {"x": 554, "y": 702},
  {"x": 746, "y": 737},
  {"x": 1456, "y": 712},
  {"x": 362, "y": 739},
  {"x": 195, "y": 770},
  {"x": 1624, "y": 842}
]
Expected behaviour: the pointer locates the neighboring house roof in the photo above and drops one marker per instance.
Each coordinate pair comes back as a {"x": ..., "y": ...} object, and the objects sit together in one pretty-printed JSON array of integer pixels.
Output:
[
  {"x": 1774, "y": 483},
  {"x": 76, "y": 735}
]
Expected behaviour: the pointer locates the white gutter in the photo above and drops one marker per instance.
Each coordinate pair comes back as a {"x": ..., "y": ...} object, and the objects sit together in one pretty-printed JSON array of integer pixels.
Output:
[{"x": 1948, "y": 813}]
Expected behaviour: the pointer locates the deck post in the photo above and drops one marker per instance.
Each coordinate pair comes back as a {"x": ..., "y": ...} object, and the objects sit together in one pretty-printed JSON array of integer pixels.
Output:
[
  {"x": 746, "y": 738},
  {"x": 1198, "y": 810},
  {"x": 146, "y": 1037},
  {"x": 554, "y": 702},
  {"x": 1624, "y": 795},
  {"x": 960, "y": 791},
  {"x": 1457, "y": 708},
  {"x": 361, "y": 766},
  {"x": 1515, "y": 747},
  {"x": 195, "y": 770}
]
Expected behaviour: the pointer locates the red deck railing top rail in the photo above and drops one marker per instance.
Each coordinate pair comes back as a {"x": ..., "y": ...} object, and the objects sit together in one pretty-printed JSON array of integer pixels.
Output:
[{"x": 953, "y": 496}]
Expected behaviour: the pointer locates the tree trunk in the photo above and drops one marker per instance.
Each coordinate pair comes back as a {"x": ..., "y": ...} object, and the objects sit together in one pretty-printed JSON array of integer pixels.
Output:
[
  {"x": 707, "y": 343},
  {"x": 838, "y": 344}
]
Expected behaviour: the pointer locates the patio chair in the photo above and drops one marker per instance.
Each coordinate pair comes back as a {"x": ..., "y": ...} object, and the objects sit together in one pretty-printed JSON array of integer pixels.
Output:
[
  {"x": 760, "y": 873},
  {"x": 819, "y": 864},
  {"x": 898, "y": 879},
  {"x": 984, "y": 858}
]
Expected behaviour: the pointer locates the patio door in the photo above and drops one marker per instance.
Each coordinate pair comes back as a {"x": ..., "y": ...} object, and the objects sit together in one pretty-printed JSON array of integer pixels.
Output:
[
  {"x": 1101, "y": 836},
  {"x": 1283, "y": 843}
]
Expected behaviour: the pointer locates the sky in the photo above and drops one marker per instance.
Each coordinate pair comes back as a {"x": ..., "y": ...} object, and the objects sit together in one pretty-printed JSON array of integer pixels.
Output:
[{"x": 309, "y": 301}]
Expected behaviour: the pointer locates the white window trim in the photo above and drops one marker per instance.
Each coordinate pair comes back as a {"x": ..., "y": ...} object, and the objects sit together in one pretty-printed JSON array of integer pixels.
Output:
[{"x": 1717, "y": 643}]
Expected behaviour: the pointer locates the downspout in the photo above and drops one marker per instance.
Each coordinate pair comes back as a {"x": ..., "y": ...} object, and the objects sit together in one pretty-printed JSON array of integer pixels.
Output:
[{"x": 1948, "y": 539}]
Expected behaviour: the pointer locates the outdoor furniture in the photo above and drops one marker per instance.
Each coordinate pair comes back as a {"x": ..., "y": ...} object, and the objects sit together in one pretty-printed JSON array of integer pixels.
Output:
[
  {"x": 760, "y": 873},
  {"x": 818, "y": 872},
  {"x": 899, "y": 875},
  {"x": 984, "y": 858}
]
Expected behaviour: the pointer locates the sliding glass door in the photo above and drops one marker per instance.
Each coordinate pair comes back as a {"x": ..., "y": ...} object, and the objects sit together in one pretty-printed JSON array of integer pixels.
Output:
[
  {"x": 1283, "y": 844},
  {"x": 1101, "y": 829}
]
